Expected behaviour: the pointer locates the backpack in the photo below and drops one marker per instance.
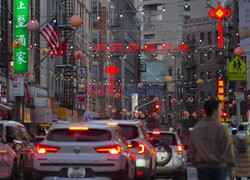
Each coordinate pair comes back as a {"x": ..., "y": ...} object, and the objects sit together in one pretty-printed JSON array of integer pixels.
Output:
[{"x": 242, "y": 146}]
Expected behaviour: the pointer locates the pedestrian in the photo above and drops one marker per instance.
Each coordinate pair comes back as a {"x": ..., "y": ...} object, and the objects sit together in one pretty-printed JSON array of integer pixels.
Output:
[
  {"x": 241, "y": 143},
  {"x": 211, "y": 147}
]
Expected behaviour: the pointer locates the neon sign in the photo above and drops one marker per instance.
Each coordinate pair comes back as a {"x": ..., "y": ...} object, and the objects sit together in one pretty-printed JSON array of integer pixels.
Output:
[
  {"x": 147, "y": 48},
  {"x": 219, "y": 14},
  {"x": 21, "y": 33},
  {"x": 221, "y": 93}
]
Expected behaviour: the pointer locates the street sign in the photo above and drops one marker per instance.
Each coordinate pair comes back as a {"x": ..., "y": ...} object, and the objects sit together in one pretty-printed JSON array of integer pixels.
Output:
[
  {"x": 18, "y": 86},
  {"x": 225, "y": 119},
  {"x": 237, "y": 69},
  {"x": 236, "y": 119},
  {"x": 239, "y": 96}
]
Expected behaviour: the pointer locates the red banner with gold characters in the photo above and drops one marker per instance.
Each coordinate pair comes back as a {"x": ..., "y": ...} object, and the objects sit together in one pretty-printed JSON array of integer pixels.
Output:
[{"x": 221, "y": 93}]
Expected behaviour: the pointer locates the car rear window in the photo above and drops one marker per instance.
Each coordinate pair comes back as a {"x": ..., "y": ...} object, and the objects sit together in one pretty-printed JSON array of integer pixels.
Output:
[
  {"x": 90, "y": 135},
  {"x": 166, "y": 138},
  {"x": 130, "y": 132}
]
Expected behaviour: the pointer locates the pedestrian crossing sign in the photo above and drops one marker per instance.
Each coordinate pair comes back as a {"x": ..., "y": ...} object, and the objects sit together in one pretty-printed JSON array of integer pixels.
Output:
[{"x": 237, "y": 69}]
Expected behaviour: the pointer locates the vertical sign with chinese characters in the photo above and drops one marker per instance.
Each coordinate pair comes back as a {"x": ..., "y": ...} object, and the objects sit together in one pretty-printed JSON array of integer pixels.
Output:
[
  {"x": 21, "y": 33},
  {"x": 221, "y": 93}
]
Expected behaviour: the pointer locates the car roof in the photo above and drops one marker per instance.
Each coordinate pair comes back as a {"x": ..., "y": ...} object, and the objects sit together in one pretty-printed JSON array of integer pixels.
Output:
[
  {"x": 89, "y": 125},
  {"x": 11, "y": 123},
  {"x": 124, "y": 122}
]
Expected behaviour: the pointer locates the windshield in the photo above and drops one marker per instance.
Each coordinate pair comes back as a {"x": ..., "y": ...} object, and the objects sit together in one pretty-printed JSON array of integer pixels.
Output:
[
  {"x": 91, "y": 135},
  {"x": 166, "y": 138},
  {"x": 130, "y": 132}
]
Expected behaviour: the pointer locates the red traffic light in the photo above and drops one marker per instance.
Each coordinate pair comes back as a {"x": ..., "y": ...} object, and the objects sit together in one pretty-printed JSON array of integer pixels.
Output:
[{"x": 157, "y": 106}]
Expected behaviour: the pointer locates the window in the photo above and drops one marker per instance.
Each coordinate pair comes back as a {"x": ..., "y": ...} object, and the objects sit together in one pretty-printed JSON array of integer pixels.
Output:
[
  {"x": 181, "y": 8},
  {"x": 180, "y": 18},
  {"x": 129, "y": 131},
  {"x": 90, "y": 135},
  {"x": 188, "y": 76},
  {"x": 108, "y": 11},
  {"x": 202, "y": 75},
  {"x": 201, "y": 58},
  {"x": 186, "y": 17},
  {"x": 193, "y": 37},
  {"x": 95, "y": 10},
  {"x": 170, "y": 71},
  {"x": 167, "y": 138},
  {"x": 95, "y": 38},
  {"x": 180, "y": 92},
  {"x": 169, "y": 101},
  {"x": 203, "y": 94},
  {"x": 202, "y": 36},
  {"x": 154, "y": 8},
  {"x": 152, "y": 27},
  {"x": 216, "y": 36},
  {"x": 159, "y": 17},
  {"x": 24, "y": 134},
  {"x": 108, "y": 36},
  {"x": 187, "y": 8},
  {"x": 209, "y": 77},
  {"x": 209, "y": 37},
  {"x": 179, "y": 73},
  {"x": 209, "y": 57},
  {"x": 153, "y": 17},
  {"x": 159, "y": 8},
  {"x": 179, "y": 28}
]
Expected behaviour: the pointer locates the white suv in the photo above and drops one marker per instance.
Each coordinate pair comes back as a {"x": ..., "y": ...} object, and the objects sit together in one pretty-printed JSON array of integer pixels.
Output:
[
  {"x": 84, "y": 151},
  {"x": 171, "y": 157},
  {"x": 137, "y": 137}
]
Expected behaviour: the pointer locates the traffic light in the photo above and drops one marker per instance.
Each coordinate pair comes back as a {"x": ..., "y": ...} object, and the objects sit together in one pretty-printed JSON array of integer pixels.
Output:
[{"x": 158, "y": 108}]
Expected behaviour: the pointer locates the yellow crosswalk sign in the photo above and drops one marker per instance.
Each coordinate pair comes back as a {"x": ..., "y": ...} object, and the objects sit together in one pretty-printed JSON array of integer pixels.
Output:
[{"x": 237, "y": 69}]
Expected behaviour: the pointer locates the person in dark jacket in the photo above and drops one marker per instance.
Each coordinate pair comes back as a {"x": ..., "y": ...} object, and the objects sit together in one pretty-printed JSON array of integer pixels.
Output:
[{"x": 211, "y": 147}]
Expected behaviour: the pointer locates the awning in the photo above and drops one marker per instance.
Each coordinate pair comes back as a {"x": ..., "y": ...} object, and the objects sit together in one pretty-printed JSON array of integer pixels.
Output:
[{"x": 6, "y": 107}]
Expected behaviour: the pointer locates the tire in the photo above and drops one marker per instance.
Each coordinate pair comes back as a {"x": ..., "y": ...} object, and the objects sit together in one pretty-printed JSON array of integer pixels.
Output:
[
  {"x": 182, "y": 176},
  {"x": 14, "y": 171},
  {"x": 164, "y": 154}
]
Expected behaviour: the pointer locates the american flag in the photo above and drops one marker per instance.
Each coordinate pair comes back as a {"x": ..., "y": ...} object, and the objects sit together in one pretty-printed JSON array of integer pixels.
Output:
[{"x": 51, "y": 35}]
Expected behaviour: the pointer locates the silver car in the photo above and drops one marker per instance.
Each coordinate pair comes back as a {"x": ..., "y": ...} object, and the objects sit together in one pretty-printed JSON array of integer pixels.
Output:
[
  {"x": 136, "y": 135},
  {"x": 84, "y": 151},
  {"x": 171, "y": 156}
]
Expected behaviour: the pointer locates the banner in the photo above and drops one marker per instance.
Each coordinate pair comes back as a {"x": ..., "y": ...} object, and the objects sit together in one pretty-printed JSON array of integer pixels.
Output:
[{"x": 21, "y": 33}]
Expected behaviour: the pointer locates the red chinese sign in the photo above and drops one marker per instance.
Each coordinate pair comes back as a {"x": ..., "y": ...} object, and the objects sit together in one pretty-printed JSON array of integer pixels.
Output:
[
  {"x": 219, "y": 14},
  {"x": 221, "y": 93},
  {"x": 111, "y": 70},
  {"x": 147, "y": 48}
]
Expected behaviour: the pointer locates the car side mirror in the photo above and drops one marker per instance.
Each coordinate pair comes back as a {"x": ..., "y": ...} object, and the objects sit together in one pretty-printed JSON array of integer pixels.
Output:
[{"x": 9, "y": 139}]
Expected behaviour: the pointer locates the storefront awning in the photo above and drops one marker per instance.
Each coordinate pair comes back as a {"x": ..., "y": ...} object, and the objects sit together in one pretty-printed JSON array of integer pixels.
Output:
[{"x": 6, "y": 107}]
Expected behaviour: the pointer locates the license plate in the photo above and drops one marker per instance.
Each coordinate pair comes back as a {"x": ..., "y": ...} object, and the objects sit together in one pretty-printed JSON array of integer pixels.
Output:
[{"x": 76, "y": 172}]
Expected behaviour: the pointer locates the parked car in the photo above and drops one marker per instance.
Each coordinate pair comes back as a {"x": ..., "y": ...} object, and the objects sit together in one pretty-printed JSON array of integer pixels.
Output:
[
  {"x": 84, "y": 151},
  {"x": 171, "y": 156},
  {"x": 136, "y": 135},
  {"x": 8, "y": 159},
  {"x": 21, "y": 145}
]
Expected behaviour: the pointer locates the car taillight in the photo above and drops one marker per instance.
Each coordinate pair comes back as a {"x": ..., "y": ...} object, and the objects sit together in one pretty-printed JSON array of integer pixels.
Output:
[
  {"x": 142, "y": 149},
  {"x": 130, "y": 145},
  {"x": 43, "y": 149},
  {"x": 78, "y": 128},
  {"x": 113, "y": 150},
  {"x": 156, "y": 133},
  {"x": 179, "y": 149}
]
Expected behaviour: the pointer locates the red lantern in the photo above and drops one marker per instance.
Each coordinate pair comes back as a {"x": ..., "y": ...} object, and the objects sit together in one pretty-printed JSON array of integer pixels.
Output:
[
  {"x": 154, "y": 114},
  {"x": 225, "y": 99},
  {"x": 173, "y": 101},
  {"x": 109, "y": 107},
  {"x": 186, "y": 114},
  {"x": 113, "y": 111},
  {"x": 234, "y": 102},
  {"x": 78, "y": 54},
  {"x": 203, "y": 112},
  {"x": 238, "y": 51},
  {"x": 156, "y": 99},
  {"x": 230, "y": 106},
  {"x": 194, "y": 115},
  {"x": 142, "y": 116},
  {"x": 117, "y": 95},
  {"x": 157, "y": 117},
  {"x": 33, "y": 25},
  {"x": 140, "y": 85},
  {"x": 75, "y": 21},
  {"x": 139, "y": 113}
]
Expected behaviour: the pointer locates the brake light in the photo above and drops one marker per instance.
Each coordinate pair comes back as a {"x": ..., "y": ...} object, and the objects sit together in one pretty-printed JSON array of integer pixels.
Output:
[
  {"x": 130, "y": 145},
  {"x": 43, "y": 149},
  {"x": 179, "y": 148},
  {"x": 142, "y": 149},
  {"x": 156, "y": 133},
  {"x": 112, "y": 124},
  {"x": 78, "y": 128},
  {"x": 139, "y": 173},
  {"x": 113, "y": 150}
]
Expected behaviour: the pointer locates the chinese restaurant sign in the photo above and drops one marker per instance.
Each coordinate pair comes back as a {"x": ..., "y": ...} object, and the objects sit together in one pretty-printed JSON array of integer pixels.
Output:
[
  {"x": 147, "y": 48},
  {"x": 21, "y": 33},
  {"x": 221, "y": 93}
]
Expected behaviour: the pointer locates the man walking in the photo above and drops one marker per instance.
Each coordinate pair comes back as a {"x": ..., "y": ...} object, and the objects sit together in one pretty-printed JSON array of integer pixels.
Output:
[{"x": 211, "y": 148}]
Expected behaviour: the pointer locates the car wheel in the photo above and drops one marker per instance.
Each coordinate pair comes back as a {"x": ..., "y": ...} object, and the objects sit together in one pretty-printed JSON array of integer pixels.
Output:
[
  {"x": 164, "y": 154},
  {"x": 182, "y": 176}
]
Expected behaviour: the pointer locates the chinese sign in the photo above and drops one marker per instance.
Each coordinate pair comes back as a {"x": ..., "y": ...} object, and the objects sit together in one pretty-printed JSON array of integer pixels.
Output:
[
  {"x": 237, "y": 69},
  {"x": 221, "y": 93},
  {"x": 18, "y": 86},
  {"x": 111, "y": 70},
  {"x": 219, "y": 14},
  {"x": 81, "y": 85},
  {"x": 21, "y": 33},
  {"x": 147, "y": 48}
]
